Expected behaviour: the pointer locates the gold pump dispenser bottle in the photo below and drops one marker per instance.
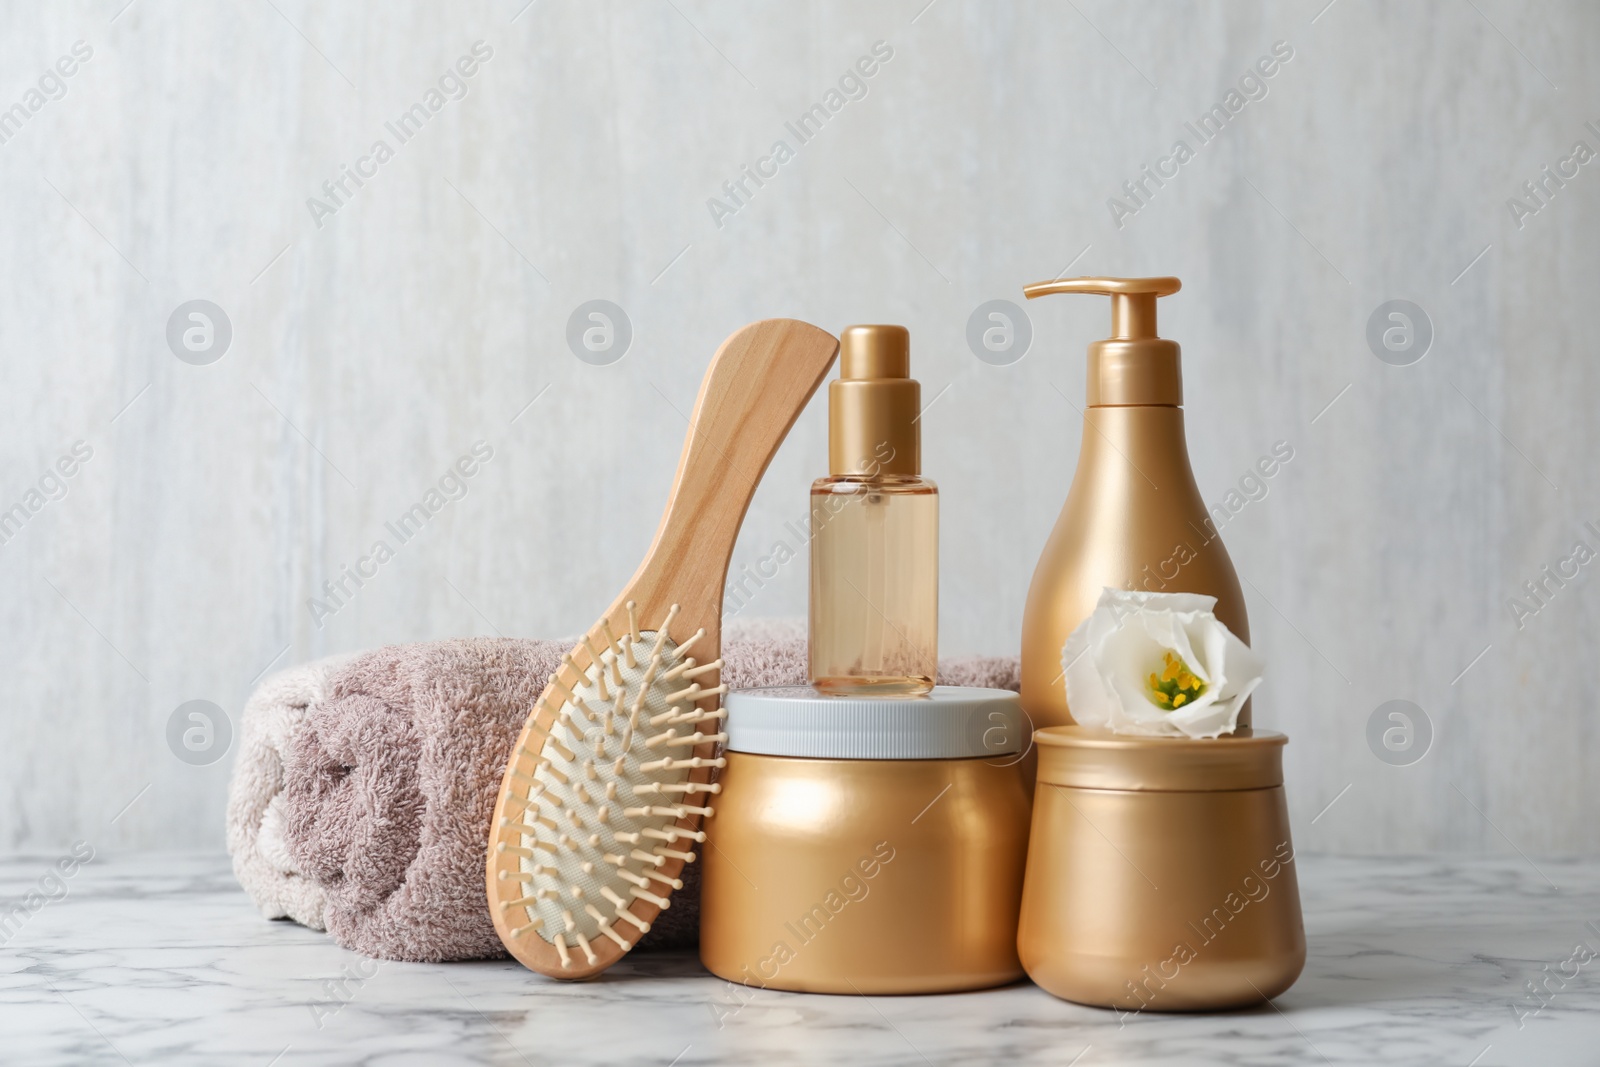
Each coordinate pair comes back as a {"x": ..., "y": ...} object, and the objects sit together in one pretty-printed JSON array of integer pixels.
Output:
[
  {"x": 874, "y": 528},
  {"x": 1134, "y": 518}
]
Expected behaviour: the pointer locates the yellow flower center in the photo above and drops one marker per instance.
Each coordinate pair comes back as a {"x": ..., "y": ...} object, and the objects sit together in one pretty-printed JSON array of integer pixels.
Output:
[{"x": 1175, "y": 685}]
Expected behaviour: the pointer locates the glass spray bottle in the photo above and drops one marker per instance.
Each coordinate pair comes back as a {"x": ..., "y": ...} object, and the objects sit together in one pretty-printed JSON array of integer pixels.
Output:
[{"x": 874, "y": 528}]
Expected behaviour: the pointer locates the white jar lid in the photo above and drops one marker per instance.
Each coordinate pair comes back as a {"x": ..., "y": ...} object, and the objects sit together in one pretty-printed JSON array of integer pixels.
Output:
[{"x": 952, "y": 722}]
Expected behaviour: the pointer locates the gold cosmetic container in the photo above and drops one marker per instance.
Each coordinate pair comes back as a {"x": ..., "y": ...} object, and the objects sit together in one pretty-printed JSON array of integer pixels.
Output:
[
  {"x": 867, "y": 845},
  {"x": 1161, "y": 875}
]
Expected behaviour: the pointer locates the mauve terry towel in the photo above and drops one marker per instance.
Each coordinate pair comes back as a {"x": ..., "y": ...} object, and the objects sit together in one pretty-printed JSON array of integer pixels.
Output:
[{"x": 390, "y": 784}]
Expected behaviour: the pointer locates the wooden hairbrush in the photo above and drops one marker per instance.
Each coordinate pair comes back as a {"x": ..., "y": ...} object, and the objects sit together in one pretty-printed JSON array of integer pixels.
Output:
[{"x": 601, "y": 801}]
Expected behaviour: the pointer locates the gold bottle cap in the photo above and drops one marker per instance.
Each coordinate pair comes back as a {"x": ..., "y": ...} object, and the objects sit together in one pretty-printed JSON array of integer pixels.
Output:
[
  {"x": 1133, "y": 366},
  {"x": 873, "y": 405},
  {"x": 1089, "y": 758}
]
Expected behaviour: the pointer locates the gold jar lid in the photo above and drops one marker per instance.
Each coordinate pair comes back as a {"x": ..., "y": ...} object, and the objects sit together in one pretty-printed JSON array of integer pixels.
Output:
[{"x": 1088, "y": 758}]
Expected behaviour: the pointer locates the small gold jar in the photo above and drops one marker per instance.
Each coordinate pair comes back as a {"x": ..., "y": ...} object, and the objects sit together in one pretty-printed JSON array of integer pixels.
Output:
[
  {"x": 867, "y": 845},
  {"x": 1161, "y": 875}
]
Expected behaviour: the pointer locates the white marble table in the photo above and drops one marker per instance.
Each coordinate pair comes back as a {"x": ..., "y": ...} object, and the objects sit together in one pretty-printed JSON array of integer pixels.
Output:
[{"x": 162, "y": 960}]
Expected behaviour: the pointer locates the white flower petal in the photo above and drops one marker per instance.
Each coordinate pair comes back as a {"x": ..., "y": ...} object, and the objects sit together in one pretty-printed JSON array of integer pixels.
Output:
[
  {"x": 1208, "y": 720},
  {"x": 1245, "y": 666},
  {"x": 1087, "y": 697},
  {"x": 1182, "y": 629},
  {"x": 1210, "y": 664}
]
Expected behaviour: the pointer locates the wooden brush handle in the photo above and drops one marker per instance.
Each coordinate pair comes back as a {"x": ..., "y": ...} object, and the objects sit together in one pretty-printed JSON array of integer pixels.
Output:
[{"x": 758, "y": 383}]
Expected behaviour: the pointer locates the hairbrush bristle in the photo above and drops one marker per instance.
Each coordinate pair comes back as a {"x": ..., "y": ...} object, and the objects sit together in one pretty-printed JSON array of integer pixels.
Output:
[{"x": 599, "y": 811}]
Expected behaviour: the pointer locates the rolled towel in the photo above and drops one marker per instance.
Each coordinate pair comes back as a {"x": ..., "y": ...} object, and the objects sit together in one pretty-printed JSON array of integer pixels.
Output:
[
  {"x": 255, "y": 828},
  {"x": 390, "y": 783}
]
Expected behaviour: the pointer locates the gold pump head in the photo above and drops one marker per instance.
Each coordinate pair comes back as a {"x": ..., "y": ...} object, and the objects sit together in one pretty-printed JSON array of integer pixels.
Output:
[
  {"x": 1134, "y": 366},
  {"x": 873, "y": 405}
]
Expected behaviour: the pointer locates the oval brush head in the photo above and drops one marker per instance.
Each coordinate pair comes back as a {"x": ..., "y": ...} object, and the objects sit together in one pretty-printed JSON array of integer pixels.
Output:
[{"x": 604, "y": 815}]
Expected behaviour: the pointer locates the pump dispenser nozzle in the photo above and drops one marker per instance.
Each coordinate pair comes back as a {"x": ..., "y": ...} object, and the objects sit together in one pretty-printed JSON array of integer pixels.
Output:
[
  {"x": 1133, "y": 300},
  {"x": 1133, "y": 365}
]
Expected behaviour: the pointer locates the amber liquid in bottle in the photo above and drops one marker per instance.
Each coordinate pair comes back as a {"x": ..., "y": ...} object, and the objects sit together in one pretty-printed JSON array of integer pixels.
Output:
[{"x": 874, "y": 584}]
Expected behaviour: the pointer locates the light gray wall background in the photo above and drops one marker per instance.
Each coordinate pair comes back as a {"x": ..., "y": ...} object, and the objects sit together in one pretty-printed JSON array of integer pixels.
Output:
[{"x": 430, "y": 310}]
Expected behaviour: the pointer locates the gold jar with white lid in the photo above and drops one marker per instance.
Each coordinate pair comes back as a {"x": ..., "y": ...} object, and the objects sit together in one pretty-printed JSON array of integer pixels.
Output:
[{"x": 867, "y": 844}]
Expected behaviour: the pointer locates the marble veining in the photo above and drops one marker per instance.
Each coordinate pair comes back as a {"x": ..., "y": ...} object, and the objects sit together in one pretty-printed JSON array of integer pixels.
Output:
[{"x": 161, "y": 959}]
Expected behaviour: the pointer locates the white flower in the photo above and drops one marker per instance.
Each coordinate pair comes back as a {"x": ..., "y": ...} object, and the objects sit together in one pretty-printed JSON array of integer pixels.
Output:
[{"x": 1158, "y": 663}]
